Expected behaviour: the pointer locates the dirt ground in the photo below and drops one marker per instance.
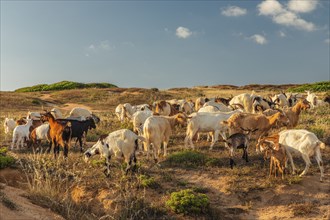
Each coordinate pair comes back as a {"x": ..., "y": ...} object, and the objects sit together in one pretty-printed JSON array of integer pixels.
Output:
[{"x": 23, "y": 209}]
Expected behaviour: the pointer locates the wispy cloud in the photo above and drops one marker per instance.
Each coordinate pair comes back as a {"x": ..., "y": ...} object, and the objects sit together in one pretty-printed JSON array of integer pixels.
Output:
[
  {"x": 100, "y": 46},
  {"x": 233, "y": 11},
  {"x": 285, "y": 16},
  {"x": 327, "y": 41},
  {"x": 182, "y": 32},
  {"x": 259, "y": 39}
]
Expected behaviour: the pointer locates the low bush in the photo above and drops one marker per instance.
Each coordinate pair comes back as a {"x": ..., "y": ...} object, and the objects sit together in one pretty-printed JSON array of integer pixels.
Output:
[
  {"x": 188, "y": 202},
  {"x": 187, "y": 159},
  {"x": 148, "y": 182},
  {"x": 5, "y": 160}
]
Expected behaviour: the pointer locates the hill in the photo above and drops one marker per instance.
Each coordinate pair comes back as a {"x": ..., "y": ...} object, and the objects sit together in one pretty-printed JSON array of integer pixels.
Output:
[{"x": 64, "y": 85}]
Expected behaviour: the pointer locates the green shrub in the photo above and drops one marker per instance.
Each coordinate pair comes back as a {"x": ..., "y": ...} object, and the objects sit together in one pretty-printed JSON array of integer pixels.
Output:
[
  {"x": 187, "y": 159},
  {"x": 314, "y": 87},
  {"x": 188, "y": 202},
  {"x": 5, "y": 161},
  {"x": 148, "y": 182},
  {"x": 64, "y": 85}
]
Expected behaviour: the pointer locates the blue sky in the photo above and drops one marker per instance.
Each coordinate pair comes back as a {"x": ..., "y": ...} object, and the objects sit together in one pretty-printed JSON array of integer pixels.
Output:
[{"x": 164, "y": 44}]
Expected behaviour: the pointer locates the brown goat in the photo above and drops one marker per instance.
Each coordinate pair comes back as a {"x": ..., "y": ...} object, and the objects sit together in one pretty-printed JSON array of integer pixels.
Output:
[
  {"x": 278, "y": 157},
  {"x": 261, "y": 124},
  {"x": 293, "y": 112},
  {"x": 60, "y": 133}
]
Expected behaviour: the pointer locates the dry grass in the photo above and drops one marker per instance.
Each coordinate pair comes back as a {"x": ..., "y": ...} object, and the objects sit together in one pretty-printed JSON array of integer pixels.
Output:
[{"x": 78, "y": 190}]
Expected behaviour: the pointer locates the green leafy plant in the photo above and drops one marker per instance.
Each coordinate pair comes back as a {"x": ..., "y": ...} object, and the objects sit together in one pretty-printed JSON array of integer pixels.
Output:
[
  {"x": 188, "y": 202},
  {"x": 148, "y": 182},
  {"x": 5, "y": 160}
]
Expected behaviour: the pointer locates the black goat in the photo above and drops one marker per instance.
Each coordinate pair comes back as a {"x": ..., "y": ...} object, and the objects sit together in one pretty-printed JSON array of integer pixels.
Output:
[
  {"x": 79, "y": 128},
  {"x": 238, "y": 141}
]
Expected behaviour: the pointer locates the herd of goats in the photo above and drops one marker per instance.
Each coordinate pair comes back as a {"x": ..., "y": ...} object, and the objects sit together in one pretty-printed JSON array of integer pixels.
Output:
[{"x": 243, "y": 117}]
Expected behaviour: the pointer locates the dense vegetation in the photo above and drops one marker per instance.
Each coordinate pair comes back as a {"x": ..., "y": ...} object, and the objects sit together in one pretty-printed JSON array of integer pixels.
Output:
[
  {"x": 313, "y": 87},
  {"x": 64, "y": 85}
]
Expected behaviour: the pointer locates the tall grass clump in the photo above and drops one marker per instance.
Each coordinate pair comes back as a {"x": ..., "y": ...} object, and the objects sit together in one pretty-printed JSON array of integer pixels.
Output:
[{"x": 49, "y": 185}]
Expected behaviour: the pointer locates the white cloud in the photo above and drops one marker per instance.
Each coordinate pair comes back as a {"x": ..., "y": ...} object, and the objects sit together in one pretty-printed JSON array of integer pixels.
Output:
[
  {"x": 182, "y": 32},
  {"x": 259, "y": 39},
  {"x": 270, "y": 7},
  {"x": 91, "y": 47},
  {"x": 289, "y": 18},
  {"x": 327, "y": 41},
  {"x": 284, "y": 16},
  {"x": 302, "y": 6},
  {"x": 234, "y": 11}
]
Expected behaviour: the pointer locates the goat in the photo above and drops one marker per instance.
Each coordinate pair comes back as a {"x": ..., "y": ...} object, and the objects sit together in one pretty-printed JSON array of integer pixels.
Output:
[
  {"x": 157, "y": 130},
  {"x": 83, "y": 113},
  {"x": 312, "y": 99},
  {"x": 33, "y": 115},
  {"x": 120, "y": 143},
  {"x": 186, "y": 107},
  {"x": 138, "y": 120},
  {"x": 9, "y": 125},
  {"x": 207, "y": 122},
  {"x": 56, "y": 113},
  {"x": 278, "y": 156},
  {"x": 240, "y": 122},
  {"x": 293, "y": 112},
  {"x": 304, "y": 142},
  {"x": 41, "y": 133},
  {"x": 163, "y": 108},
  {"x": 220, "y": 106},
  {"x": 280, "y": 100},
  {"x": 245, "y": 100},
  {"x": 60, "y": 134},
  {"x": 237, "y": 141},
  {"x": 200, "y": 102},
  {"x": 20, "y": 133},
  {"x": 79, "y": 128}
]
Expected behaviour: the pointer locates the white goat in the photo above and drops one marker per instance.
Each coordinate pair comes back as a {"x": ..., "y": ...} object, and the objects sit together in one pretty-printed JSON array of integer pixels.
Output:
[
  {"x": 33, "y": 115},
  {"x": 9, "y": 125},
  {"x": 209, "y": 108},
  {"x": 138, "y": 120},
  {"x": 157, "y": 130},
  {"x": 120, "y": 143},
  {"x": 245, "y": 100},
  {"x": 126, "y": 110},
  {"x": 20, "y": 133},
  {"x": 208, "y": 122},
  {"x": 280, "y": 100},
  {"x": 82, "y": 114},
  {"x": 41, "y": 133},
  {"x": 56, "y": 113},
  {"x": 220, "y": 106},
  {"x": 304, "y": 142}
]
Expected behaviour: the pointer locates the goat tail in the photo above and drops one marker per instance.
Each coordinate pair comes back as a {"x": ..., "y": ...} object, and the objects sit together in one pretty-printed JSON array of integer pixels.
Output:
[{"x": 322, "y": 145}]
